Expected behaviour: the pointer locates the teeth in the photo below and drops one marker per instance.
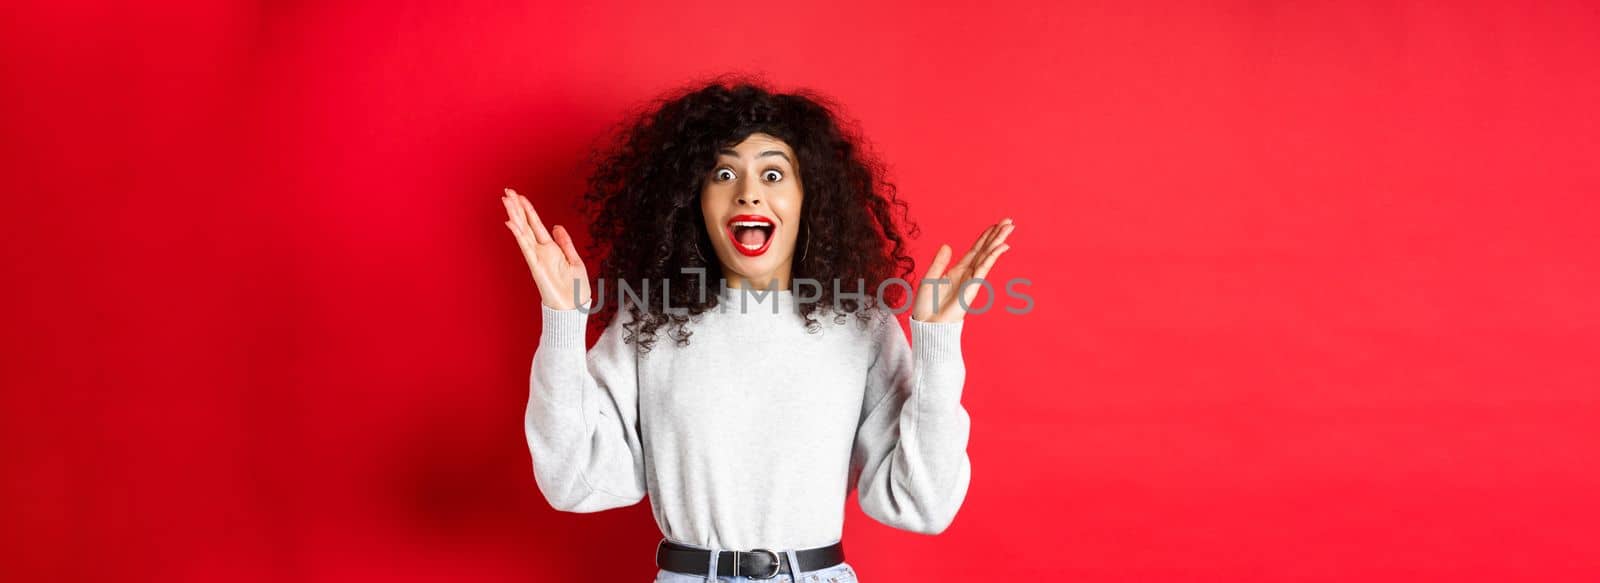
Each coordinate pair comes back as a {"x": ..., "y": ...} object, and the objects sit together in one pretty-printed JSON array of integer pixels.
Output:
[{"x": 756, "y": 224}]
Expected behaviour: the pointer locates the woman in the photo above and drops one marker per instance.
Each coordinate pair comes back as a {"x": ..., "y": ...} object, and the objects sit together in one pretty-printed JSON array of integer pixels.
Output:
[{"x": 772, "y": 399}]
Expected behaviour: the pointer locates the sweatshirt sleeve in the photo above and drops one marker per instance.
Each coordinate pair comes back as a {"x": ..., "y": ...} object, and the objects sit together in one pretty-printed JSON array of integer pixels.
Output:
[
  {"x": 909, "y": 464},
  {"x": 582, "y": 420}
]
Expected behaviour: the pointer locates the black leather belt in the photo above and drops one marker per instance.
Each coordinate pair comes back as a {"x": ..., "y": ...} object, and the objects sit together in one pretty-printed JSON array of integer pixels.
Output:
[{"x": 754, "y": 563}]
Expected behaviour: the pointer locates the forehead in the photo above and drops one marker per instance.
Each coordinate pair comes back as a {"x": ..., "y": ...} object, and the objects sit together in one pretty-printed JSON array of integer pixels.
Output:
[{"x": 756, "y": 143}]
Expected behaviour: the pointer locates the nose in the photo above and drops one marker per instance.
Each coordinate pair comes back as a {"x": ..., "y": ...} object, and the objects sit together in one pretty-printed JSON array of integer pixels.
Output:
[{"x": 749, "y": 196}]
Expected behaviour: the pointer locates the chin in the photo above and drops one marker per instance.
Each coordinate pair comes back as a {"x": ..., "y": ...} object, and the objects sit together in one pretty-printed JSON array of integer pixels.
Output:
[{"x": 759, "y": 268}]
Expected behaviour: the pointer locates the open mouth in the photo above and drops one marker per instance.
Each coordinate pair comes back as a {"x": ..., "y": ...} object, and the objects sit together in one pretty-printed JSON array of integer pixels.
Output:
[{"x": 751, "y": 234}]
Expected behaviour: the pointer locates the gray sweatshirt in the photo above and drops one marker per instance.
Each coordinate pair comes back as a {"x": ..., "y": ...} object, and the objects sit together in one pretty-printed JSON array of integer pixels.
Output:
[{"x": 752, "y": 435}]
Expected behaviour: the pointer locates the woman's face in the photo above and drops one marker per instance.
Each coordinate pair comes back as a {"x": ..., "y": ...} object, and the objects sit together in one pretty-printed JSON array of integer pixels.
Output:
[{"x": 751, "y": 203}]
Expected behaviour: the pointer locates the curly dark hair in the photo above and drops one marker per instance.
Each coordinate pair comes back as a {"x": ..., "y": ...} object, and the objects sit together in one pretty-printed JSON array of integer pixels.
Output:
[{"x": 646, "y": 222}]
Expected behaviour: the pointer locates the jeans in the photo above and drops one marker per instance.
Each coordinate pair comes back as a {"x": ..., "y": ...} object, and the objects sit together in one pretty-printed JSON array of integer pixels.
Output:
[{"x": 840, "y": 573}]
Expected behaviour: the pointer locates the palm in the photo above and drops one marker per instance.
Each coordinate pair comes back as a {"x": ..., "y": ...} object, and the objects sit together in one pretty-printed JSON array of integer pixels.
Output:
[
  {"x": 555, "y": 264},
  {"x": 943, "y": 304}
]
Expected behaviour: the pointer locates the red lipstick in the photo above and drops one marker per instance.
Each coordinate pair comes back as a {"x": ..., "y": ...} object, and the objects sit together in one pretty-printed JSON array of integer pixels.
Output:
[{"x": 757, "y": 229}]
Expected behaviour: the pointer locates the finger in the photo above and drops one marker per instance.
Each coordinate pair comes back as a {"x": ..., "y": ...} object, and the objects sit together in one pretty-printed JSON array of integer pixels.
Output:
[
  {"x": 530, "y": 251},
  {"x": 988, "y": 262},
  {"x": 517, "y": 231},
  {"x": 564, "y": 239},
  {"x": 999, "y": 237},
  {"x": 987, "y": 241},
  {"x": 925, "y": 301},
  {"x": 539, "y": 232},
  {"x": 1004, "y": 226},
  {"x": 519, "y": 227},
  {"x": 973, "y": 251},
  {"x": 969, "y": 294},
  {"x": 983, "y": 247},
  {"x": 513, "y": 210},
  {"x": 941, "y": 259}
]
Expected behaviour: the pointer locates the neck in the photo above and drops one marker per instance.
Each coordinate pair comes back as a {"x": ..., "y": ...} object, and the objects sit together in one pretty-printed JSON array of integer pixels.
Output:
[{"x": 779, "y": 280}]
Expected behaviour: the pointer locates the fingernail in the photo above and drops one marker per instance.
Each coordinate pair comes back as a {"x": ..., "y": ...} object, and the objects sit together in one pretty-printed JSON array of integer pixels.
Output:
[{"x": 510, "y": 192}]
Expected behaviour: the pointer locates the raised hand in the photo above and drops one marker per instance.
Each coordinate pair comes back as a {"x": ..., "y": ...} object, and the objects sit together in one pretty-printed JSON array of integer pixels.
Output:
[
  {"x": 938, "y": 302},
  {"x": 555, "y": 263}
]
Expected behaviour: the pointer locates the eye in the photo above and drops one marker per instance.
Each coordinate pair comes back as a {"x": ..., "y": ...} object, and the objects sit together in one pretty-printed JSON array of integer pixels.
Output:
[
  {"x": 772, "y": 176},
  {"x": 724, "y": 175}
]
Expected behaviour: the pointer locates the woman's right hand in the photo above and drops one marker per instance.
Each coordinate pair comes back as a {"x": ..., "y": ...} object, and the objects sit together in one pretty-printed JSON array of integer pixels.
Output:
[{"x": 551, "y": 257}]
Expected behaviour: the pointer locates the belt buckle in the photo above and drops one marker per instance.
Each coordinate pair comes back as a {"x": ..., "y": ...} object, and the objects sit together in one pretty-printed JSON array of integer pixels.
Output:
[{"x": 777, "y": 563}]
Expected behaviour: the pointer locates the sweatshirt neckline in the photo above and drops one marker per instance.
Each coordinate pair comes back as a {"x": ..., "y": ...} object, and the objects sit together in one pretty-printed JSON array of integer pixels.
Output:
[{"x": 754, "y": 297}]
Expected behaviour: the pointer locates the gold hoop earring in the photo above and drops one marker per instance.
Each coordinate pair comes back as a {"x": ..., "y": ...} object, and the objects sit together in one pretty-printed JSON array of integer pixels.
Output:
[
  {"x": 807, "y": 248},
  {"x": 701, "y": 250}
]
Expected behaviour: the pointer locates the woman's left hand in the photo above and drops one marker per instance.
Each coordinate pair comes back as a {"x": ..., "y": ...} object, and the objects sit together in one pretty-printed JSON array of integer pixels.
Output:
[{"x": 938, "y": 302}]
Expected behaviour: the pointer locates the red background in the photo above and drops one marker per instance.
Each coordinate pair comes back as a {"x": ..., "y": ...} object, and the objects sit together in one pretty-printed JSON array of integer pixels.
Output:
[{"x": 1315, "y": 282}]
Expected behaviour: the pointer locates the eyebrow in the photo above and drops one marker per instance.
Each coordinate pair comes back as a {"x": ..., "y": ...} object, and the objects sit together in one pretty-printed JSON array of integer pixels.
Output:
[{"x": 728, "y": 152}]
